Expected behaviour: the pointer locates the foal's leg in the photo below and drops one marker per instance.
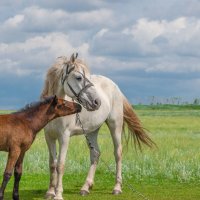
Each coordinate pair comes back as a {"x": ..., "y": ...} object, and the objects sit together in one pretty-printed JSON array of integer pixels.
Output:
[
  {"x": 51, "y": 143},
  {"x": 115, "y": 127},
  {"x": 18, "y": 174},
  {"x": 63, "y": 147},
  {"x": 94, "y": 158},
  {"x": 12, "y": 158}
]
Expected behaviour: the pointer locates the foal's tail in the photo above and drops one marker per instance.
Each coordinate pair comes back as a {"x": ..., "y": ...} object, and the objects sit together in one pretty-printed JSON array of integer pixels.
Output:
[{"x": 135, "y": 129}]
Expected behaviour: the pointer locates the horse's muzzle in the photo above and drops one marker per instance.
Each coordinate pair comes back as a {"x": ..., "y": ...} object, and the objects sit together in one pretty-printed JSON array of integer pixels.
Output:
[{"x": 96, "y": 104}]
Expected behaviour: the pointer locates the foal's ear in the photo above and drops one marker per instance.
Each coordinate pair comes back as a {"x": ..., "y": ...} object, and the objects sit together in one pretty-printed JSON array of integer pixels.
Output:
[
  {"x": 54, "y": 100},
  {"x": 73, "y": 57}
]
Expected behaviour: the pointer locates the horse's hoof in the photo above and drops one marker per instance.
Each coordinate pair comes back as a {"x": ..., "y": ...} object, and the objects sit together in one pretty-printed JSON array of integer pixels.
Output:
[
  {"x": 49, "y": 196},
  {"x": 116, "y": 192},
  {"x": 84, "y": 193},
  {"x": 91, "y": 186},
  {"x": 58, "y": 198}
]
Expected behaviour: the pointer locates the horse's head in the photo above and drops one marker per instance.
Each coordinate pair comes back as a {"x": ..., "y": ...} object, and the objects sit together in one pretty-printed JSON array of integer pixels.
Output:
[
  {"x": 60, "y": 107},
  {"x": 76, "y": 83}
]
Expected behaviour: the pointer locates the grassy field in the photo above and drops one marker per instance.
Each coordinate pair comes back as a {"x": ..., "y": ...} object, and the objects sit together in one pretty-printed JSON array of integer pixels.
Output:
[{"x": 170, "y": 172}]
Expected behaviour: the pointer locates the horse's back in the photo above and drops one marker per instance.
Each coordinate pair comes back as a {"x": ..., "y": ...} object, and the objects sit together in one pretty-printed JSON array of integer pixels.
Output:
[
  {"x": 10, "y": 127},
  {"x": 8, "y": 123},
  {"x": 106, "y": 85},
  {"x": 108, "y": 89}
]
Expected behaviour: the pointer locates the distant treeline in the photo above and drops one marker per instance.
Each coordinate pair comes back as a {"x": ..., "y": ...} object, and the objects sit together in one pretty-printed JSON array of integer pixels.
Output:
[
  {"x": 167, "y": 107},
  {"x": 153, "y": 100}
]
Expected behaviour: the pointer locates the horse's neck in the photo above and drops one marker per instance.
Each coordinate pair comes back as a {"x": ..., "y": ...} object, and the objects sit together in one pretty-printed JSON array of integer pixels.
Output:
[
  {"x": 37, "y": 119},
  {"x": 61, "y": 94},
  {"x": 59, "y": 91}
]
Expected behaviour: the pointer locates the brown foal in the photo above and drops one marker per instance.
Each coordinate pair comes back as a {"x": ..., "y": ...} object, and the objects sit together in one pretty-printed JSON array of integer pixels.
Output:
[{"x": 18, "y": 131}]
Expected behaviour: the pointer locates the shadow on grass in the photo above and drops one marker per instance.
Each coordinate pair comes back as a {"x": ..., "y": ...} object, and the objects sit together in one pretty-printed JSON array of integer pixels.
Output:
[
  {"x": 27, "y": 195},
  {"x": 40, "y": 194}
]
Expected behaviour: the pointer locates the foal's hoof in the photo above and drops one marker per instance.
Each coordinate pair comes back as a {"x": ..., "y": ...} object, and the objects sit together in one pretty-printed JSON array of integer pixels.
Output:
[
  {"x": 16, "y": 197},
  {"x": 116, "y": 192},
  {"x": 84, "y": 193}
]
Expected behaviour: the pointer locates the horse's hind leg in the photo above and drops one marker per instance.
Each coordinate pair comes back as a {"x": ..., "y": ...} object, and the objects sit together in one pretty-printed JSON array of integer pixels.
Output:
[
  {"x": 51, "y": 143},
  {"x": 12, "y": 158},
  {"x": 18, "y": 174},
  {"x": 94, "y": 157},
  {"x": 6, "y": 178},
  {"x": 115, "y": 127}
]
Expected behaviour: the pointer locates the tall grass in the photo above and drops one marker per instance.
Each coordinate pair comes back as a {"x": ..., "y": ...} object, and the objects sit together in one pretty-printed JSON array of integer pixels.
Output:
[{"x": 177, "y": 134}]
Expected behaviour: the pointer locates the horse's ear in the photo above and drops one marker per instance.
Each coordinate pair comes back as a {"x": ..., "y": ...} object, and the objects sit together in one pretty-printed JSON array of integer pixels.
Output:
[{"x": 73, "y": 57}]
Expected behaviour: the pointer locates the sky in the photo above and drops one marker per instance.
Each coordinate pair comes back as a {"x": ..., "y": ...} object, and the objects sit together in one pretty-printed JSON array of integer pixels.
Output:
[{"x": 149, "y": 48}]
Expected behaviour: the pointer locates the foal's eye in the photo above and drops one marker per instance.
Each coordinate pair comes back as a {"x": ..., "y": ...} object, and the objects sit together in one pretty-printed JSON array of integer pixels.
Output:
[
  {"x": 78, "y": 78},
  {"x": 59, "y": 106}
]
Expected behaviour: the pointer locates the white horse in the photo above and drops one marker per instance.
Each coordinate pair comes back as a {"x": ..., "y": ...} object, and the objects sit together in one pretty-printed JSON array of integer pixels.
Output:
[{"x": 70, "y": 79}]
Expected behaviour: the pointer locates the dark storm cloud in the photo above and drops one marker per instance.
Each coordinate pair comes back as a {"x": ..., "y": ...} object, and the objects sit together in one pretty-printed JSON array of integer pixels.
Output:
[{"x": 16, "y": 92}]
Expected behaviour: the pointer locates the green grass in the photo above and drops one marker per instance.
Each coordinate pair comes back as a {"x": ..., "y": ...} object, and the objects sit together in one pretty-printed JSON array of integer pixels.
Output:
[{"x": 170, "y": 172}]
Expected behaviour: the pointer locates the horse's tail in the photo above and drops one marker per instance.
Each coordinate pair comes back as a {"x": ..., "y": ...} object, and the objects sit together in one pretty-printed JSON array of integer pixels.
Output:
[{"x": 135, "y": 129}]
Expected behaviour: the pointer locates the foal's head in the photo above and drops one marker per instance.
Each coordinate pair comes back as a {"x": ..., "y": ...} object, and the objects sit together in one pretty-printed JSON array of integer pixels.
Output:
[{"x": 60, "y": 107}]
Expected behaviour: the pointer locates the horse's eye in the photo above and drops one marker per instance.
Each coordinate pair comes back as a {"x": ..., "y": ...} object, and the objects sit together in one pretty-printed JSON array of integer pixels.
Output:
[{"x": 78, "y": 78}]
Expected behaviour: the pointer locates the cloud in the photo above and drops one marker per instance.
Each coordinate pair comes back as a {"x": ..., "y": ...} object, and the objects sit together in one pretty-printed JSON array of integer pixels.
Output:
[
  {"x": 137, "y": 44},
  {"x": 35, "y": 20},
  {"x": 155, "y": 45},
  {"x": 13, "y": 22},
  {"x": 175, "y": 65},
  {"x": 166, "y": 36},
  {"x": 150, "y": 36},
  {"x": 35, "y": 54},
  {"x": 45, "y": 20}
]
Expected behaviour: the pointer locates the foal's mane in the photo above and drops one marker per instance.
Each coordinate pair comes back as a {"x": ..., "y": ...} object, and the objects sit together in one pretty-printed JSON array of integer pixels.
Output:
[
  {"x": 34, "y": 105},
  {"x": 55, "y": 72}
]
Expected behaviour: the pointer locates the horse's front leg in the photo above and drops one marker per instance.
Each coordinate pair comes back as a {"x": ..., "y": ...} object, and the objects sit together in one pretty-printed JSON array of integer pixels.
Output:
[
  {"x": 94, "y": 158},
  {"x": 51, "y": 143},
  {"x": 18, "y": 174},
  {"x": 63, "y": 147}
]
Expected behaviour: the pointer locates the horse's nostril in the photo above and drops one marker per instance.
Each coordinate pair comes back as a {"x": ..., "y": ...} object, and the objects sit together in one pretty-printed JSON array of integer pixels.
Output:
[{"x": 97, "y": 102}]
